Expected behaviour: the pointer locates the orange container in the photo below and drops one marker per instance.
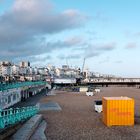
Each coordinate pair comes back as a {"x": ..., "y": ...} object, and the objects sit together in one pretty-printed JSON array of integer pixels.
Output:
[{"x": 118, "y": 111}]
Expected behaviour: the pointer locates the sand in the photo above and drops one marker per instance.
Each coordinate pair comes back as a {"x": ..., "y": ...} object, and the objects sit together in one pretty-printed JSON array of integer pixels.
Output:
[{"x": 79, "y": 121}]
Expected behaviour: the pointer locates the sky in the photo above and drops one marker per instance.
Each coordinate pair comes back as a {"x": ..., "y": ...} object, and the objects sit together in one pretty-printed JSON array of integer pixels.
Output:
[{"x": 104, "y": 32}]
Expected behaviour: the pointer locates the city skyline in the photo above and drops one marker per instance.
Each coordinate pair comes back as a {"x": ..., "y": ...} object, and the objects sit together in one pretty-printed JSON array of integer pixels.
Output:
[{"x": 106, "y": 33}]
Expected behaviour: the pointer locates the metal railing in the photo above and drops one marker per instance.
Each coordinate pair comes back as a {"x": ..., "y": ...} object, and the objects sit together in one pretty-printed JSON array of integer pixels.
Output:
[
  {"x": 20, "y": 84},
  {"x": 14, "y": 115}
]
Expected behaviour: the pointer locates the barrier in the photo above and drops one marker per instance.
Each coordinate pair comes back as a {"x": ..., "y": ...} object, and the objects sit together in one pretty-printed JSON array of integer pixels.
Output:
[
  {"x": 21, "y": 84},
  {"x": 14, "y": 115}
]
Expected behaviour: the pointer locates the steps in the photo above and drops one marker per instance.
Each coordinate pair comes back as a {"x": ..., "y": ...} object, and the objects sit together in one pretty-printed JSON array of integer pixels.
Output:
[
  {"x": 32, "y": 129},
  {"x": 39, "y": 133}
]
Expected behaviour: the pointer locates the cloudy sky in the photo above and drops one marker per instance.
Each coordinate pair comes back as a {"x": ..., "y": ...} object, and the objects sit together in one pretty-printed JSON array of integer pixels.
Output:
[{"x": 105, "y": 32}]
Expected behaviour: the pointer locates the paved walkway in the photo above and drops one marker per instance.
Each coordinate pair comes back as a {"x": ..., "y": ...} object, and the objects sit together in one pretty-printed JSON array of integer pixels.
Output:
[
  {"x": 50, "y": 106},
  {"x": 79, "y": 121}
]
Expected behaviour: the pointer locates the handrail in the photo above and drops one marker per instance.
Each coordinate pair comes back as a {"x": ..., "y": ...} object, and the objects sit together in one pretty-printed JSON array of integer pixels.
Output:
[
  {"x": 21, "y": 84},
  {"x": 14, "y": 115}
]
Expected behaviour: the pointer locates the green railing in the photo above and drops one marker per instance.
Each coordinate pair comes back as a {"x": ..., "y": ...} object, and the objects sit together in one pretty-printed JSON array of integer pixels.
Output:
[
  {"x": 20, "y": 84},
  {"x": 14, "y": 115}
]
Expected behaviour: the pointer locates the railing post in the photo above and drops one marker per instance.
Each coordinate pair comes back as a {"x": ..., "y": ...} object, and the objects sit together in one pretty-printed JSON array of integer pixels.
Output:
[
  {"x": 2, "y": 124},
  {"x": 0, "y": 113},
  {"x": 10, "y": 116},
  {"x": 17, "y": 114}
]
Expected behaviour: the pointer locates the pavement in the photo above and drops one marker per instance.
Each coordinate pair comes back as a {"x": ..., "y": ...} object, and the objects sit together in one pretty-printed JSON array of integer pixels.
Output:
[
  {"x": 79, "y": 121},
  {"x": 50, "y": 106},
  {"x": 51, "y": 92},
  {"x": 34, "y": 128}
]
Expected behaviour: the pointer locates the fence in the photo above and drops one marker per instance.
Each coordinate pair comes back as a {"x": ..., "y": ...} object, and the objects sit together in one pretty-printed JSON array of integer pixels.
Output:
[
  {"x": 20, "y": 84},
  {"x": 14, "y": 115}
]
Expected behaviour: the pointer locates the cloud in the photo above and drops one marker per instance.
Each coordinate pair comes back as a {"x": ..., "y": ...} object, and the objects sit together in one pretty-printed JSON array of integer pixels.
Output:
[
  {"x": 41, "y": 53},
  {"x": 24, "y": 25},
  {"x": 106, "y": 46},
  {"x": 97, "y": 49},
  {"x": 131, "y": 45},
  {"x": 36, "y": 60},
  {"x": 74, "y": 42},
  {"x": 73, "y": 56},
  {"x": 40, "y": 58}
]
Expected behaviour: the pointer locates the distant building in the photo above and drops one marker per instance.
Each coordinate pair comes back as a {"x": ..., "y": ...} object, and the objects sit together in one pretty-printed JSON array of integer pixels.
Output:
[
  {"x": 5, "y": 63},
  {"x": 43, "y": 71},
  {"x": 22, "y": 70},
  {"x": 15, "y": 69},
  {"x": 24, "y": 64},
  {"x": 65, "y": 67},
  {"x": 35, "y": 71},
  {"x": 5, "y": 68},
  {"x": 30, "y": 78},
  {"x": 67, "y": 72},
  {"x": 29, "y": 70},
  {"x": 22, "y": 78},
  {"x": 58, "y": 72}
]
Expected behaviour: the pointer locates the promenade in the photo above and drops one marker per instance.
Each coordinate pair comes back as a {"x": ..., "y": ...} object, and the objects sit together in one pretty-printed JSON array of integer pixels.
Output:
[{"x": 78, "y": 120}]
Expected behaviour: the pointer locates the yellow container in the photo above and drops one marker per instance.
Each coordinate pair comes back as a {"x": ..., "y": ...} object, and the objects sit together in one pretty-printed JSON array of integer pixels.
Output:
[{"x": 118, "y": 111}]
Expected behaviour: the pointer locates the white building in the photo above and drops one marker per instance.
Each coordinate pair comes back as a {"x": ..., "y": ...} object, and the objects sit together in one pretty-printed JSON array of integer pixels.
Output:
[
  {"x": 66, "y": 72},
  {"x": 15, "y": 69},
  {"x": 5, "y": 63},
  {"x": 35, "y": 71},
  {"x": 24, "y": 64},
  {"x": 65, "y": 67},
  {"x": 43, "y": 71},
  {"x": 58, "y": 72},
  {"x": 22, "y": 70},
  {"x": 29, "y": 70},
  {"x": 30, "y": 78},
  {"x": 5, "y": 69}
]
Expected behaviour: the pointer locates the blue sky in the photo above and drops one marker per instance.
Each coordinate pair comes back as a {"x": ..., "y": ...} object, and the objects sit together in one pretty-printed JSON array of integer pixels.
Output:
[{"x": 105, "y": 32}]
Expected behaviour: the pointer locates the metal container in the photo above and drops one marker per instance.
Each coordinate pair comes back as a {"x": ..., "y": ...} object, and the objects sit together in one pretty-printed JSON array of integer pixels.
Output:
[{"x": 118, "y": 111}]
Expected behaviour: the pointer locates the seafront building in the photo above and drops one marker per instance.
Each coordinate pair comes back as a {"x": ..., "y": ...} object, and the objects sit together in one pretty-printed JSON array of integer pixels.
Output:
[
  {"x": 23, "y": 71},
  {"x": 5, "y": 68}
]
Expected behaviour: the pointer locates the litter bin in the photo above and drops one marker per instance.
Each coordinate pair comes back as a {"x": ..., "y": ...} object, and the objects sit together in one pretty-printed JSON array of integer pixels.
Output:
[{"x": 98, "y": 106}]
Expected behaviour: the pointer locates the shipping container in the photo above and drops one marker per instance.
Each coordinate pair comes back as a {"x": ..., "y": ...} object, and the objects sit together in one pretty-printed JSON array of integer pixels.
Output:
[{"x": 118, "y": 111}]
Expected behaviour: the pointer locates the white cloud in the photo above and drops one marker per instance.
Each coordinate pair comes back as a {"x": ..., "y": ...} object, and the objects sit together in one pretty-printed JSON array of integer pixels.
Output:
[
  {"x": 24, "y": 24},
  {"x": 97, "y": 49}
]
